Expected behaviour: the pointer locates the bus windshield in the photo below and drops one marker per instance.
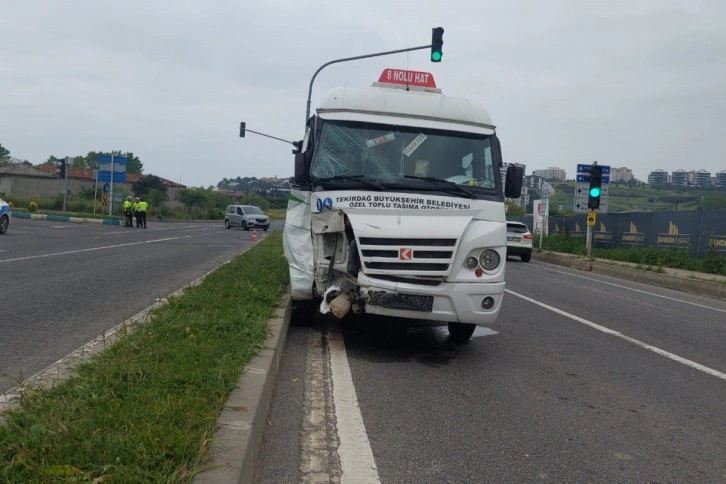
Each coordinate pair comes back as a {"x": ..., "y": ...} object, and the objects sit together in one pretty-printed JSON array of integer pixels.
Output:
[{"x": 401, "y": 155}]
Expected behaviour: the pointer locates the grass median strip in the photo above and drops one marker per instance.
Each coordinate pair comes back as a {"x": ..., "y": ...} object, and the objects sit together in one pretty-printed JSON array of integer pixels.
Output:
[{"x": 145, "y": 409}]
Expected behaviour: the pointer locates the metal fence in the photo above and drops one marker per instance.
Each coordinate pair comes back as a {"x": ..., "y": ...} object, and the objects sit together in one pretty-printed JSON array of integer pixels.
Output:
[{"x": 695, "y": 230}]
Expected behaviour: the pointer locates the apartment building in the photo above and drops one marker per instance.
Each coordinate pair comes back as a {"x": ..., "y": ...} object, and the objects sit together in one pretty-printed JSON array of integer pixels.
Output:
[
  {"x": 551, "y": 174},
  {"x": 701, "y": 179},
  {"x": 621, "y": 175},
  {"x": 659, "y": 177},
  {"x": 720, "y": 180}
]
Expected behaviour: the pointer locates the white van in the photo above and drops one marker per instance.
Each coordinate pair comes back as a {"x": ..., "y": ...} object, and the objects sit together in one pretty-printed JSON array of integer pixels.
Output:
[
  {"x": 397, "y": 206},
  {"x": 246, "y": 216}
]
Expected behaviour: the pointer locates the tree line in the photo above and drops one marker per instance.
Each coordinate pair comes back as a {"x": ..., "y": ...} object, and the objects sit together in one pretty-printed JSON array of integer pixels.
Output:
[{"x": 90, "y": 160}]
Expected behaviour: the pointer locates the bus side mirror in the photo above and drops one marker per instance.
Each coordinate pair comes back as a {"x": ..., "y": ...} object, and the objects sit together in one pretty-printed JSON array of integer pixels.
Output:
[
  {"x": 513, "y": 183},
  {"x": 301, "y": 172}
]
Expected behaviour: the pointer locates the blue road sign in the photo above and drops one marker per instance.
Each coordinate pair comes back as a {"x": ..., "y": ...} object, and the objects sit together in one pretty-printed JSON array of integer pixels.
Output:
[
  {"x": 118, "y": 177},
  {"x": 586, "y": 169},
  {"x": 585, "y": 178},
  {"x": 117, "y": 160}
]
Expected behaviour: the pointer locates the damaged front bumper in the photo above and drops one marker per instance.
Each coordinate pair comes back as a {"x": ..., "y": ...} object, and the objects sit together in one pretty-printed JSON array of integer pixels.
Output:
[{"x": 475, "y": 303}]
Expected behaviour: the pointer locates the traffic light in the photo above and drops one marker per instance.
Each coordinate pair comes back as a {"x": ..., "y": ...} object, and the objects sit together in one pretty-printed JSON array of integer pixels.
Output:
[
  {"x": 593, "y": 200},
  {"x": 242, "y": 127},
  {"x": 62, "y": 168},
  {"x": 437, "y": 42}
]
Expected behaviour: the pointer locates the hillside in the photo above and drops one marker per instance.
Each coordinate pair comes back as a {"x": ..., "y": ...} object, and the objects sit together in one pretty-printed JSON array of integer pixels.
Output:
[{"x": 624, "y": 198}]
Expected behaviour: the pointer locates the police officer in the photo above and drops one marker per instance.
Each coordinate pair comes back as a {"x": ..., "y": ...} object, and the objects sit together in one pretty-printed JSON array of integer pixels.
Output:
[
  {"x": 127, "y": 212},
  {"x": 142, "y": 207},
  {"x": 137, "y": 214}
]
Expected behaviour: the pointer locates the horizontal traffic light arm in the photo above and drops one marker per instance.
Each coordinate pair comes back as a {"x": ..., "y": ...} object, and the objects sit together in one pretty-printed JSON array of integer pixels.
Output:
[{"x": 357, "y": 57}]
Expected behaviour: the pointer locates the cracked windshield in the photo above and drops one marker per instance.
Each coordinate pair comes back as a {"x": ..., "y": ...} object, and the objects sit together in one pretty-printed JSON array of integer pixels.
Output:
[{"x": 392, "y": 154}]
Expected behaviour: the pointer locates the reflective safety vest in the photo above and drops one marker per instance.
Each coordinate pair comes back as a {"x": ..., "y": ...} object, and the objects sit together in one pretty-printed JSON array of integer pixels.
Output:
[
  {"x": 127, "y": 205},
  {"x": 142, "y": 206}
]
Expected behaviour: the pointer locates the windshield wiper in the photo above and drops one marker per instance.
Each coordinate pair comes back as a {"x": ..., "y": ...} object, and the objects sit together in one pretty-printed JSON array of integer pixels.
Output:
[
  {"x": 357, "y": 178},
  {"x": 457, "y": 188}
]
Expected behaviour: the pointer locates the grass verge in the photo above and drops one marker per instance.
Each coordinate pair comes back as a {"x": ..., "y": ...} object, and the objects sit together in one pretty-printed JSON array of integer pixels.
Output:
[
  {"x": 276, "y": 213},
  {"x": 145, "y": 409},
  {"x": 644, "y": 257}
]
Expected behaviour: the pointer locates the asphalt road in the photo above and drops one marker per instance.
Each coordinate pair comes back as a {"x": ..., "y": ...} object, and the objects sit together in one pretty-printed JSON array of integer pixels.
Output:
[
  {"x": 63, "y": 284},
  {"x": 584, "y": 378}
]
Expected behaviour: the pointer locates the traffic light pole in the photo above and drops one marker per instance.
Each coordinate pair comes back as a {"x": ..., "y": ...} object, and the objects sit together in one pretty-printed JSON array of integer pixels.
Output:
[
  {"x": 588, "y": 241},
  {"x": 310, "y": 88}
]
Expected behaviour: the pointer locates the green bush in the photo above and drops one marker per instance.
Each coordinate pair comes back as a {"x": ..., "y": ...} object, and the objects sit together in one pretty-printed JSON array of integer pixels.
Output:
[
  {"x": 713, "y": 263},
  {"x": 215, "y": 214}
]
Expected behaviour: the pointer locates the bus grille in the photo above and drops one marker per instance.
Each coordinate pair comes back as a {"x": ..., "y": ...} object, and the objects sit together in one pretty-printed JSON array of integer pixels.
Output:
[{"x": 409, "y": 256}]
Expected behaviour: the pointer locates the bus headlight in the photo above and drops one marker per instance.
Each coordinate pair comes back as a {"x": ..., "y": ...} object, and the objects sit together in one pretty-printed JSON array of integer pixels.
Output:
[
  {"x": 489, "y": 259},
  {"x": 471, "y": 262}
]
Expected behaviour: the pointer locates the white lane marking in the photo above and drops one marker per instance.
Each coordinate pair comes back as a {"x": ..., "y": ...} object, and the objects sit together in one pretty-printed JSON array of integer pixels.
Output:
[
  {"x": 67, "y": 252},
  {"x": 199, "y": 230},
  {"x": 356, "y": 457},
  {"x": 480, "y": 331},
  {"x": 639, "y": 290},
  {"x": 617, "y": 334}
]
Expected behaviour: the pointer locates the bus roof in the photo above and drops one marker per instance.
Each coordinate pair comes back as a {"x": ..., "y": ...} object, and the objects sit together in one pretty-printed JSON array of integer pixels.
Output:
[{"x": 422, "y": 108}]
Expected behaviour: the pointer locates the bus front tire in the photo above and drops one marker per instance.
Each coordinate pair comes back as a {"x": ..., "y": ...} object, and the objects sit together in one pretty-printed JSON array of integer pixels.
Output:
[{"x": 460, "y": 332}]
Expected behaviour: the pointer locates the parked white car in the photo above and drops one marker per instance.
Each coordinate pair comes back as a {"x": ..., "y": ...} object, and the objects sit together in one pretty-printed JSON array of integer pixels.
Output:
[{"x": 5, "y": 215}]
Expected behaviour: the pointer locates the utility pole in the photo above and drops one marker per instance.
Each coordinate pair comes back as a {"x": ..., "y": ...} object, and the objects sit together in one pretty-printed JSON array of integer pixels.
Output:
[
  {"x": 65, "y": 182},
  {"x": 110, "y": 198}
]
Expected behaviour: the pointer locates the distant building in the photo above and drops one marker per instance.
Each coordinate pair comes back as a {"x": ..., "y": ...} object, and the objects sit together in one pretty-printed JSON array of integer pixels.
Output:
[
  {"x": 621, "y": 175},
  {"x": 523, "y": 199},
  {"x": 681, "y": 178},
  {"x": 720, "y": 180},
  {"x": 551, "y": 174},
  {"x": 658, "y": 177},
  {"x": 534, "y": 182},
  {"x": 701, "y": 178}
]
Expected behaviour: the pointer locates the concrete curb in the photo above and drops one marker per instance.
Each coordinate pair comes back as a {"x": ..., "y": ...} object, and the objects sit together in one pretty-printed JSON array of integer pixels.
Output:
[
  {"x": 102, "y": 221},
  {"x": 65, "y": 218},
  {"x": 690, "y": 282},
  {"x": 241, "y": 425}
]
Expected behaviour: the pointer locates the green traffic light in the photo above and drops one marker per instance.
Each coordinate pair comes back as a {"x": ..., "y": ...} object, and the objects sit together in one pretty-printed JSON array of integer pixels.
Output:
[
  {"x": 594, "y": 192},
  {"x": 436, "y": 56}
]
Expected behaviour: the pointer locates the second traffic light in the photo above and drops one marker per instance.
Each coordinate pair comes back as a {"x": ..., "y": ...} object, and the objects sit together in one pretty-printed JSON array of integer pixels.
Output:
[
  {"x": 62, "y": 168},
  {"x": 593, "y": 200},
  {"x": 437, "y": 42}
]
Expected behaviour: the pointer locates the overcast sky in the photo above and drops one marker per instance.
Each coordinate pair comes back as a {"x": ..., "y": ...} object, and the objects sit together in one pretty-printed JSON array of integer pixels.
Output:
[{"x": 640, "y": 84}]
